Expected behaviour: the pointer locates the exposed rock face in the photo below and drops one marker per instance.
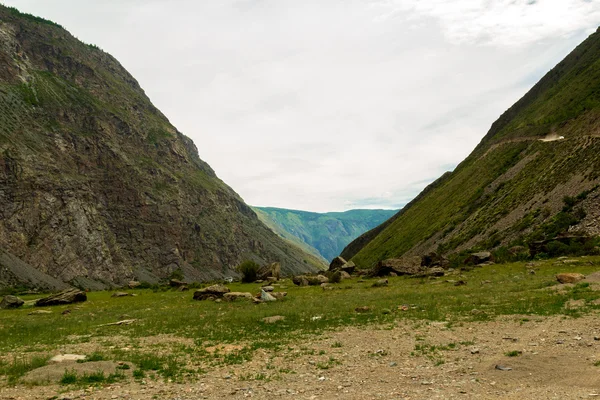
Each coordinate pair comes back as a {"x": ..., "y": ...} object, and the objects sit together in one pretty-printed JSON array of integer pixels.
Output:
[
  {"x": 11, "y": 302},
  {"x": 65, "y": 297},
  {"x": 96, "y": 186}
]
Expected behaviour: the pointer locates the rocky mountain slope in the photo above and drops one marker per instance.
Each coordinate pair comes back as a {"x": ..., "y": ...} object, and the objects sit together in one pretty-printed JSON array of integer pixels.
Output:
[
  {"x": 96, "y": 186},
  {"x": 326, "y": 233},
  {"x": 534, "y": 176}
]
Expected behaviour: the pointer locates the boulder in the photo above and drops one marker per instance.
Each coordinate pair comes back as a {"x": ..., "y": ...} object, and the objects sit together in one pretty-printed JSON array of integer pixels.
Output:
[
  {"x": 264, "y": 296},
  {"x": 435, "y": 271},
  {"x": 569, "y": 277},
  {"x": 176, "y": 283},
  {"x": 268, "y": 288},
  {"x": 398, "y": 266},
  {"x": 133, "y": 284},
  {"x": 68, "y": 296},
  {"x": 211, "y": 293},
  {"x": 434, "y": 259},
  {"x": 272, "y": 270},
  {"x": 479, "y": 258},
  {"x": 279, "y": 295},
  {"x": 300, "y": 280},
  {"x": 183, "y": 288},
  {"x": 309, "y": 280},
  {"x": 11, "y": 302},
  {"x": 337, "y": 263},
  {"x": 345, "y": 275},
  {"x": 349, "y": 267},
  {"x": 233, "y": 296}
]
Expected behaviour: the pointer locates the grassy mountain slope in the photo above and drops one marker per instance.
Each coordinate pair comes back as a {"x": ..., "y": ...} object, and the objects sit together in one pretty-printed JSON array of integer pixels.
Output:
[
  {"x": 326, "y": 233},
  {"x": 514, "y": 187},
  {"x": 96, "y": 186}
]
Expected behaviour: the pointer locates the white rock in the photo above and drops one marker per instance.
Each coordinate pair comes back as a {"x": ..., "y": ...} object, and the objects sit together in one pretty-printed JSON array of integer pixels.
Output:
[{"x": 66, "y": 357}]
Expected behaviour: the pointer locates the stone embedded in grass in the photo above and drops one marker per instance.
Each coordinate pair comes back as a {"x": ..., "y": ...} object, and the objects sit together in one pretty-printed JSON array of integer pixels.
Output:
[
  {"x": 66, "y": 358},
  {"x": 380, "y": 283},
  {"x": 307, "y": 280},
  {"x": 479, "y": 258},
  {"x": 264, "y": 296},
  {"x": 233, "y": 296},
  {"x": 11, "y": 302},
  {"x": 268, "y": 288},
  {"x": 575, "y": 304},
  {"x": 279, "y": 295},
  {"x": 211, "y": 293},
  {"x": 569, "y": 277},
  {"x": 273, "y": 319},
  {"x": 39, "y": 312},
  {"x": 65, "y": 297},
  {"x": 120, "y": 294}
]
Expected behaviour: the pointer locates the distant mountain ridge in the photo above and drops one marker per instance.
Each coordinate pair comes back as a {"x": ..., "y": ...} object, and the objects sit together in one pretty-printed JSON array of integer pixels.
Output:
[
  {"x": 96, "y": 186},
  {"x": 325, "y": 233},
  {"x": 535, "y": 176}
]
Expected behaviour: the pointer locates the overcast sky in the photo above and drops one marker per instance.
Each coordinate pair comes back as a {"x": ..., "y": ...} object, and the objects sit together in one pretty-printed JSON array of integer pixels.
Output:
[{"x": 329, "y": 105}]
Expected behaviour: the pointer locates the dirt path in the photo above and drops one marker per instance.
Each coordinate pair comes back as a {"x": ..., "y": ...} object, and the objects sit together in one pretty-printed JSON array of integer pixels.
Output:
[{"x": 555, "y": 360}]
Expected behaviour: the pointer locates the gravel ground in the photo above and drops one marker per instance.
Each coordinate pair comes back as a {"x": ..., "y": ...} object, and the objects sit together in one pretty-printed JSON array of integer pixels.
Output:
[{"x": 554, "y": 359}]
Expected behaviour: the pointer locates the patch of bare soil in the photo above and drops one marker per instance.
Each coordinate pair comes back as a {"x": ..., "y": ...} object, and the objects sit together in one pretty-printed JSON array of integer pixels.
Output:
[{"x": 552, "y": 358}]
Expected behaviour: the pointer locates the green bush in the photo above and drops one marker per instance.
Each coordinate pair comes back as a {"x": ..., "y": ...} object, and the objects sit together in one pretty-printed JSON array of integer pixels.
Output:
[{"x": 249, "y": 270}]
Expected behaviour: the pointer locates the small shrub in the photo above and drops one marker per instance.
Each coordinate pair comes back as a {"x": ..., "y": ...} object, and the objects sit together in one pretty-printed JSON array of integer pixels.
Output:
[
  {"x": 95, "y": 356},
  {"x": 69, "y": 377},
  {"x": 513, "y": 353},
  {"x": 249, "y": 270},
  {"x": 94, "y": 377},
  {"x": 139, "y": 374}
]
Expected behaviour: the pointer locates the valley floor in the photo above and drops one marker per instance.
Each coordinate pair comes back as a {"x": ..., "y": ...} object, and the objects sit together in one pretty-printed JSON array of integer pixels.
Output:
[
  {"x": 430, "y": 338},
  {"x": 409, "y": 360}
]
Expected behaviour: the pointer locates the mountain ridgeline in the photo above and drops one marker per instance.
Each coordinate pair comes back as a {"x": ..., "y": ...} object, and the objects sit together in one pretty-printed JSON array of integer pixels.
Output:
[
  {"x": 534, "y": 177},
  {"x": 324, "y": 234},
  {"x": 96, "y": 186}
]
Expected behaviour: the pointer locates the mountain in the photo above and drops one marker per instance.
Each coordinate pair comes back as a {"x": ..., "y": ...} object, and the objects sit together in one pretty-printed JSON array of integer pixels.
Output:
[
  {"x": 96, "y": 186},
  {"x": 534, "y": 176},
  {"x": 325, "y": 233}
]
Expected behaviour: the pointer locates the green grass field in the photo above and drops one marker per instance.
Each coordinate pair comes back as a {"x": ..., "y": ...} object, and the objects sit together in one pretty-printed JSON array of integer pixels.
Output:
[{"x": 193, "y": 326}]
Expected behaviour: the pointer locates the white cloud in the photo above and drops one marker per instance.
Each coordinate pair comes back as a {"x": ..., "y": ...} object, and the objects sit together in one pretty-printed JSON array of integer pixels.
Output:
[
  {"x": 326, "y": 105},
  {"x": 500, "y": 22}
]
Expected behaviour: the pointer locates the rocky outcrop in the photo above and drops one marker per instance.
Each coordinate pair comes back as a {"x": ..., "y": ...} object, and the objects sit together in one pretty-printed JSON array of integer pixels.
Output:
[{"x": 97, "y": 188}]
